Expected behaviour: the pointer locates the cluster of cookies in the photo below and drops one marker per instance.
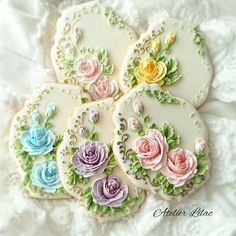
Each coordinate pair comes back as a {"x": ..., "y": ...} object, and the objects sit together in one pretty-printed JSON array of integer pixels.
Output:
[{"x": 109, "y": 129}]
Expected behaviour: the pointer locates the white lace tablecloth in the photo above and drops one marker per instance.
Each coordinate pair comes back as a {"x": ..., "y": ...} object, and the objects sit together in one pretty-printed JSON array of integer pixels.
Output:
[{"x": 26, "y": 28}]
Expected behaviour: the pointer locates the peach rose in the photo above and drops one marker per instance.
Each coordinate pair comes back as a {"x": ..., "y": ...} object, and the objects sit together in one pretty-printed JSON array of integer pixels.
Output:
[
  {"x": 88, "y": 69},
  {"x": 152, "y": 150},
  {"x": 103, "y": 88},
  {"x": 181, "y": 166}
]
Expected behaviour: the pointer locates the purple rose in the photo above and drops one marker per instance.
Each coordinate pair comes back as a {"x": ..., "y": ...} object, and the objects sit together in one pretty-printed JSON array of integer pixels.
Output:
[
  {"x": 91, "y": 158},
  {"x": 109, "y": 191}
]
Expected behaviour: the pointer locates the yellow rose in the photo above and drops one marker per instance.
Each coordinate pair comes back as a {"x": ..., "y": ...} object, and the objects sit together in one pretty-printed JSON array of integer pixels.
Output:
[
  {"x": 155, "y": 45},
  {"x": 150, "y": 71},
  {"x": 170, "y": 38}
]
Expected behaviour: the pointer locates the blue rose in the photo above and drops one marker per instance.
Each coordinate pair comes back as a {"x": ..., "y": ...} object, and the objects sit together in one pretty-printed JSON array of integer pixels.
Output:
[
  {"x": 46, "y": 176},
  {"x": 37, "y": 140}
]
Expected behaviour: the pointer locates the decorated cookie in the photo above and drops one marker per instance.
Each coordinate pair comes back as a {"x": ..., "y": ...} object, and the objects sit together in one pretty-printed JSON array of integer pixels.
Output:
[
  {"x": 36, "y": 132},
  {"x": 172, "y": 54},
  {"x": 160, "y": 142},
  {"x": 88, "y": 168},
  {"x": 90, "y": 44}
]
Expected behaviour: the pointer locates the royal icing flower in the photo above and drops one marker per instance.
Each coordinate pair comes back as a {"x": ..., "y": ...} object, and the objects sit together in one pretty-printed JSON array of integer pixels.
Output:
[
  {"x": 69, "y": 48},
  {"x": 134, "y": 124},
  {"x": 93, "y": 116},
  {"x": 150, "y": 71},
  {"x": 152, "y": 150},
  {"x": 109, "y": 191},
  {"x": 155, "y": 45},
  {"x": 138, "y": 107},
  {"x": 200, "y": 144},
  {"x": 88, "y": 69},
  {"x": 170, "y": 38},
  {"x": 83, "y": 131},
  {"x": 46, "y": 176},
  {"x": 91, "y": 158},
  {"x": 50, "y": 110},
  {"x": 37, "y": 140},
  {"x": 181, "y": 166},
  {"x": 78, "y": 32},
  {"x": 35, "y": 116},
  {"x": 103, "y": 88}
]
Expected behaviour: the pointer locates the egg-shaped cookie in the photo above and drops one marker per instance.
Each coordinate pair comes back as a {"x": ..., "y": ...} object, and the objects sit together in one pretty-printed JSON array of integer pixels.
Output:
[
  {"x": 160, "y": 142},
  {"x": 172, "y": 53},
  {"x": 36, "y": 132},
  {"x": 88, "y": 168},
  {"x": 90, "y": 44}
]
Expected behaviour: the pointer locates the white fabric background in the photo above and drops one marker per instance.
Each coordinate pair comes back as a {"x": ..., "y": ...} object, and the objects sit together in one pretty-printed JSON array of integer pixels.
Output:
[{"x": 26, "y": 28}]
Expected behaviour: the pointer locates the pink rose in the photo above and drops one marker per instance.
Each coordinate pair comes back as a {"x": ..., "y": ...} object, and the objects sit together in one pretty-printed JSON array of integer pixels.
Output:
[
  {"x": 103, "y": 88},
  {"x": 88, "y": 69},
  {"x": 138, "y": 106},
  {"x": 152, "y": 150},
  {"x": 200, "y": 144},
  {"x": 133, "y": 124},
  {"x": 181, "y": 166}
]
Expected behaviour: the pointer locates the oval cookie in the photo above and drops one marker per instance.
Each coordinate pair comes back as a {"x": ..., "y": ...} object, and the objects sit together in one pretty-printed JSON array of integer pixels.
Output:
[
  {"x": 88, "y": 168},
  {"x": 36, "y": 132},
  {"x": 171, "y": 53},
  {"x": 91, "y": 42},
  {"x": 160, "y": 142}
]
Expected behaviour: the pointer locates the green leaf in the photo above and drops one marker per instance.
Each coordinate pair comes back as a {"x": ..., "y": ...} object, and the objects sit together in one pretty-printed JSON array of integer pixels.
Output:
[
  {"x": 60, "y": 191},
  {"x": 168, "y": 131},
  {"x": 83, "y": 100},
  {"x": 24, "y": 127},
  {"x": 111, "y": 161},
  {"x": 131, "y": 80},
  {"x": 36, "y": 189},
  {"x": 161, "y": 181},
  {"x": 53, "y": 153},
  {"x": 161, "y": 96},
  {"x": 141, "y": 132},
  {"x": 198, "y": 40},
  {"x": 201, "y": 155},
  {"x": 152, "y": 126},
  {"x": 73, "y": 150},
  {"x": 146, "y": 119},
  {"x": 172, "y": 75},
  {"x": 26, "y": 180},
  {"x": 125, "y": 210},
  {"x": 178, "y": 190},
  {"x": 109, "y": 69},
  {"x": 74, "y": 177},
  {"x": 101, "y": 53},
  {"x": 202, "y": 168},
  {"x": 197, "y": 179},
  {"x": 135, "y": 167},
  {"x": 93, "y": 136}
]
